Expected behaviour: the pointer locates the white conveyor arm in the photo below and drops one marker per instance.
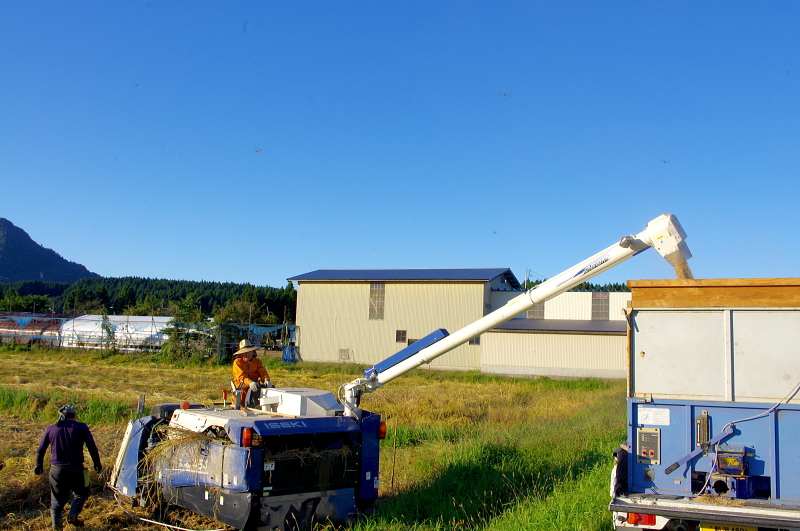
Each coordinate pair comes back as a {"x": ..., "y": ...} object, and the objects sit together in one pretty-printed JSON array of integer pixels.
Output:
[{"x": 663, "y": 234}]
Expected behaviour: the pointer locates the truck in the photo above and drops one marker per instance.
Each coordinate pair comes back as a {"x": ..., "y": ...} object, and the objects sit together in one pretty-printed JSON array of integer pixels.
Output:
[
  {"x": 713, "y": 411},
  {"x": 302, "y": 455}
]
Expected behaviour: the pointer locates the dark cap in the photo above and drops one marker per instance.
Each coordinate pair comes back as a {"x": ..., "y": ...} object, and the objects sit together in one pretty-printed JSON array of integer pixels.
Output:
[{"x": 67, "y": 410}]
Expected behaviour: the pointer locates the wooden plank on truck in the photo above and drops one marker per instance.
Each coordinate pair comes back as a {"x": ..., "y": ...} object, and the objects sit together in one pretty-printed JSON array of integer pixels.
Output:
[{"x": 716, "y": 293}]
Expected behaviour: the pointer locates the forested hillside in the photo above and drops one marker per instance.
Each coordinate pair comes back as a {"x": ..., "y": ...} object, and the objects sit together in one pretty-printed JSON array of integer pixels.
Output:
[{"x": 188, "y": 300}]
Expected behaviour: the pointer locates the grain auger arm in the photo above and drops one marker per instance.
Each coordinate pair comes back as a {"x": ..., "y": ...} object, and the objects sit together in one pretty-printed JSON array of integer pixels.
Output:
[{"x": 664, "y": 234}]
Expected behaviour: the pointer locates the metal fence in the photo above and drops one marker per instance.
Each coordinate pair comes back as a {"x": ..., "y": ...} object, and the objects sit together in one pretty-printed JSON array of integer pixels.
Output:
[{"x": 143, "y": 333}]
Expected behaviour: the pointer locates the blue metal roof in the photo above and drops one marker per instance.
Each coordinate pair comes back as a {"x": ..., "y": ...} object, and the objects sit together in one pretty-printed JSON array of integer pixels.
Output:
[{"x": 409, "y": 275}]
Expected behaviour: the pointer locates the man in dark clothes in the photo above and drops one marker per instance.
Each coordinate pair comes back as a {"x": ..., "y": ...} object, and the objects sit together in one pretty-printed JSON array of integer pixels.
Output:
[{"x": 66, "y": 439}]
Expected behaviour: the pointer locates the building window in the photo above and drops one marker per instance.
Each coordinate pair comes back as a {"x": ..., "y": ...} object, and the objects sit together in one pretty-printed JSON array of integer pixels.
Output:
[
  {"x": 377, "y": 291},
  {"x": 400, "y": 336},
  {"x": 537, "y": 312},
  {"x": 599, "y": 306},
  {"x": 344, "y": 354},
  {"x": 475, "y": 340},
  {"x": 412, "y": 341}
]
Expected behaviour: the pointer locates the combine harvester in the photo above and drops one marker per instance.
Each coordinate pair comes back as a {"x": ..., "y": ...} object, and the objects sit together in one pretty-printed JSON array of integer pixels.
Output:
[{"x": 303, "y": 456}]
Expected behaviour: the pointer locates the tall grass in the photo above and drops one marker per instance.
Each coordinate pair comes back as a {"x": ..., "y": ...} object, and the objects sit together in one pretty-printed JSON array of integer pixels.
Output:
[
  {"x": 574, "y": 504},
  {"x": 42, "y": 407},
  {"x": 478, "y": 477}
]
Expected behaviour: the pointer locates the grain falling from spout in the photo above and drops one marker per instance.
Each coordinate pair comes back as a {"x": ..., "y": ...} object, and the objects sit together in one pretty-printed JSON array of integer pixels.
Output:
[{"x": 683, "y": 272}]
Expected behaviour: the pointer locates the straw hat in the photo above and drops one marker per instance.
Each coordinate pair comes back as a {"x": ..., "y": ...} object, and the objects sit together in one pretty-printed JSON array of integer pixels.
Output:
[{"x": 244, "y": 347}]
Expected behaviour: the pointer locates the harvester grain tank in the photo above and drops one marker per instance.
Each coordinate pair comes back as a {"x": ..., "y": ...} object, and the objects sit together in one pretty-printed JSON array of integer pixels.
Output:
[{"x": 302, "y": 456}]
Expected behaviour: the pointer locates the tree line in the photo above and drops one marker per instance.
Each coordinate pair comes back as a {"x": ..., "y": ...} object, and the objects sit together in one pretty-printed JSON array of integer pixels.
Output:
[
  {"x": 187, "y": 301},
  {"x": 584, "y": 286}
]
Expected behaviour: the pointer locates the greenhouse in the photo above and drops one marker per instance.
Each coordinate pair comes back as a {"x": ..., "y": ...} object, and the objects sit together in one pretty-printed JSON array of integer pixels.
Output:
[{"x": 122, "y": 332}]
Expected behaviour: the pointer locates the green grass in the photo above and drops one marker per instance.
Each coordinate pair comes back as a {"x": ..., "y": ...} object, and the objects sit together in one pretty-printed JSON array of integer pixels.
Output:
[
  {"x": 577, "y": 504},
  {"x": 486, "y": 478},
  {"x": 43, "y": 407},
  {"x": 408, "y": 436}
]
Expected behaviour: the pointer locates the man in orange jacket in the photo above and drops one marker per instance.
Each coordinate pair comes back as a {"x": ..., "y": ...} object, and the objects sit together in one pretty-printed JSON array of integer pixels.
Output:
[{"x": 248, "y": 371}]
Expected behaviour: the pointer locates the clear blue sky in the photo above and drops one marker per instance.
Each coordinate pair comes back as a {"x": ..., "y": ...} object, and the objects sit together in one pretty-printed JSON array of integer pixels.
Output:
[{"x": 255, "y": 141}]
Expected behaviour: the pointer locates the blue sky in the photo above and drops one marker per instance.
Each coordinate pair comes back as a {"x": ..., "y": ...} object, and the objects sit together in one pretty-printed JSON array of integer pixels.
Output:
[{"x": 255, "y": 141}]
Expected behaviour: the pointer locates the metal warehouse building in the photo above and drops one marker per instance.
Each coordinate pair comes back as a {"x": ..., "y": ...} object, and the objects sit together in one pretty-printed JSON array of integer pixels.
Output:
[{"x": 363, "y": 316}]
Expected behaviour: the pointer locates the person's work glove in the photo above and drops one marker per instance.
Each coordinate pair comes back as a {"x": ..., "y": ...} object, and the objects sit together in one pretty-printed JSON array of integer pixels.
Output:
[
  {"x": 269, "y": 384},
  {"x": 38, "y": 469},
  {"x": 254, "y": 386},
  {"x": 98, "y": 467}
]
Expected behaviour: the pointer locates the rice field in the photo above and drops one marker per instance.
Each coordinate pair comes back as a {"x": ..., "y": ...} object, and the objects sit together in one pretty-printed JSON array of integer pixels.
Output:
[{"x": 463, "y": 451}]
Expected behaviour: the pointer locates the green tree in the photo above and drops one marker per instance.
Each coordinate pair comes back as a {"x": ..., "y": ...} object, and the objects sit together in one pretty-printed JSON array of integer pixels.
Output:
[
  {"x": 188, "y": 311},
  {"x": 34, "y": 303},
  {"x": 125, "y": 299},
  {"x": 246, "y": 312},
  {"x": 149, "y": 305},
  {"x": 11, "y": 301}
]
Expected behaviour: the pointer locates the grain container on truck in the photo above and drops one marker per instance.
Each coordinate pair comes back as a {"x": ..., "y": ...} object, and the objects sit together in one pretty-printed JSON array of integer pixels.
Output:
[{"x": 713, "y": 407}]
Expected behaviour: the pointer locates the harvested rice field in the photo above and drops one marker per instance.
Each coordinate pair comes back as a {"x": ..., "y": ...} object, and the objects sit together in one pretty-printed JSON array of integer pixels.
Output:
[{"x": 463, "y": 451}]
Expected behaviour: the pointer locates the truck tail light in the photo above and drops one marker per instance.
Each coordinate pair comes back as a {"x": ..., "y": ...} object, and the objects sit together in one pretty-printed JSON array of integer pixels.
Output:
[
  {"x": 247, "y": 437},
  {"x": 641, "y": 519},
  {"x": 382, "y": 430}
]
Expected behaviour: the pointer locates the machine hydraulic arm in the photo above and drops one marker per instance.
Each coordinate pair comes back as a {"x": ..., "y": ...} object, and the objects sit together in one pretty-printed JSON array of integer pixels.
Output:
[{"x": 663, "y": 234}]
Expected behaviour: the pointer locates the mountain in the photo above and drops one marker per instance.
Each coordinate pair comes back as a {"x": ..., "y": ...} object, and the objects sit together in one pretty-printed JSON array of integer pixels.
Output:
[{"x": 21, "y": 258}]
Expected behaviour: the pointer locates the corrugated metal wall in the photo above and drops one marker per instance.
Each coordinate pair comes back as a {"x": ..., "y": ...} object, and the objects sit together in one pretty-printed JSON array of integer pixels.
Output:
[
  {"x": 570, "y": 305},
  {"x": 556, "y": 355},
  {"x": 618, "y": 301},
  {"x": 578, "y": 305},
  {"x": 334, "y": 316}
]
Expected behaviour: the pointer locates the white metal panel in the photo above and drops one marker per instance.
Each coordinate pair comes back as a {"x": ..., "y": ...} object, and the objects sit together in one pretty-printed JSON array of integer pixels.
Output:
[
  {"x": 326, "y": 313},
  {"x": 555, "y": 355},
  {"x": 498, "y": 299},
  {"x": 618, "y": 301},
  {"x": 766, "y": 349},
  {"x": 335, "y": 316},
  {"x": 421, "y": 308},
  {"x": 679, "y": 354},
  {"x": 570, "y": 305}
]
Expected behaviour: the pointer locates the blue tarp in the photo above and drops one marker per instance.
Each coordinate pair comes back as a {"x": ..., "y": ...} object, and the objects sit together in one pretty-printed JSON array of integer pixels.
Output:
[{"x": 291, "y": 354}]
